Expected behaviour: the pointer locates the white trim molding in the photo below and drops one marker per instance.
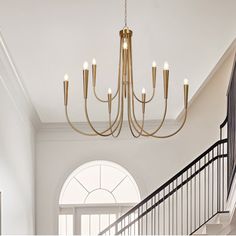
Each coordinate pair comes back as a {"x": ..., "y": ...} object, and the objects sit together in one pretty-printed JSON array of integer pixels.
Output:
[{"x": 10, "y": 78}]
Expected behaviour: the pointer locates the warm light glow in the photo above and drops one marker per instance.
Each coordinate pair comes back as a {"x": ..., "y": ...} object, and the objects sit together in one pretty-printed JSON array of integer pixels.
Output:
[
  {"x": 125, "y": 45},
  {"x": 185, "y": 82},
  {"x": 166, "y": 66},
  {"x": 66, "y": 77},
  {"x": 109, "y": 91},
  {"x": 94, "y": 61},
  {"x": 85, "y": 66},
  {"x": 143, "y": 91},
  {"x": 154, "y": 64}
]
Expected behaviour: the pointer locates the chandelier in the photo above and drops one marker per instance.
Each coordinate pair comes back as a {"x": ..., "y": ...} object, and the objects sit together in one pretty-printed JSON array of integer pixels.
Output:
[{"x": 125, "y": 94}]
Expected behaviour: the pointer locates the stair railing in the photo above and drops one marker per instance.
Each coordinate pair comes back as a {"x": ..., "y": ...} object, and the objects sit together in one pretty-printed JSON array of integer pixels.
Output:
[{"x": 185, "y": 202}]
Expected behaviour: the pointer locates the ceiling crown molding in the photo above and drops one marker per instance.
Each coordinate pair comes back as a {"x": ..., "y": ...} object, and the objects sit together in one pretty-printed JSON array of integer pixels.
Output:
[{"x": 10, "y": 78}]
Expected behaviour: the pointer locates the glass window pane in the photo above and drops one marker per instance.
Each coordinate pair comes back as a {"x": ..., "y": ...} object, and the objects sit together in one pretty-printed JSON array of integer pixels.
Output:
[
  {"x": 65, "y": 226},
  {"x": 95, "y": 225},
  {"x": 104, "y": 221},
  {"x": 85, "y": 225},
  {"x": 110, "y": 177},
  {"x": 90, "y": 178},
  {"x": 126, "y": 192},
  {"x": 74, "y": 193},
  {"x": 62, "y": 225},
  {"x": 100, "y": 196}
]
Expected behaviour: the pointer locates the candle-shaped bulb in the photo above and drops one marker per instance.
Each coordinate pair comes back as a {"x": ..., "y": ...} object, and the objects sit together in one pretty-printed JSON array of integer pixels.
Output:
[
  {"x": 154, "y": 64},
  {"x": 125, "y": 45},
  {"x": 166, "y": 66},
  {"x": 109, "y": 91},
  {"x": 143, "y": 91},
  {"x": 185, "y": 82},
  {"x": 94, "y": 61},
  {"x": 66, "y": 77},
  {"x": 85, "y": 66}
]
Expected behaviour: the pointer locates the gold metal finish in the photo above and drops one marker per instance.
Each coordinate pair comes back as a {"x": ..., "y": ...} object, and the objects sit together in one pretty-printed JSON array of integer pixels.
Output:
[
  {"x": 109, "y": 102},
  {"x": 85, "y": 81},
  {"x": 66, "y": 86},
  {"x": 154, "y": 76},
  {"x": 125, "y": 93},
  {"x": 186, "y": 96},
  {"x": 143, "y": 101},
  {"x": 94, "y": 74},
  {"x": 166, "y": 82}
]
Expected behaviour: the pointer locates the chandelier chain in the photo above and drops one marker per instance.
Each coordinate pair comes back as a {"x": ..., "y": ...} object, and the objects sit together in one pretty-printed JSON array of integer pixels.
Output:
[{"x": 125, "y": 13}]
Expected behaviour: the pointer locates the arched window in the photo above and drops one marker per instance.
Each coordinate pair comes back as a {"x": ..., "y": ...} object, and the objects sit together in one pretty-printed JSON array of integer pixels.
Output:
[{"x": 95, "y": 195}]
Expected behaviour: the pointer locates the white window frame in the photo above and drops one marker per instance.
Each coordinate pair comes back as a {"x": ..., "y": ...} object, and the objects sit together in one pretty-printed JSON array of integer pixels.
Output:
[{"x": 77, "y": 210}]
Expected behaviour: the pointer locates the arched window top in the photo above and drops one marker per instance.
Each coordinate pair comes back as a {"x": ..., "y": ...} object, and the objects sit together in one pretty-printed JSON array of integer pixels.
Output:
[{"x": 99, "y": 182}]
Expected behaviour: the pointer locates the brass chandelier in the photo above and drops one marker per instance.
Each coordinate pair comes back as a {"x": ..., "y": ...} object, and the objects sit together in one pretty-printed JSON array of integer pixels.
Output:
[{"x": 125, "y": 93}]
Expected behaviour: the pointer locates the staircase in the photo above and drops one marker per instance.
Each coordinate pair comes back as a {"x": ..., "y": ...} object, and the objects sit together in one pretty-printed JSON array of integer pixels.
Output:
[
  {"x": 191, "y": 202},
  {"x": 218, "y": 225}
]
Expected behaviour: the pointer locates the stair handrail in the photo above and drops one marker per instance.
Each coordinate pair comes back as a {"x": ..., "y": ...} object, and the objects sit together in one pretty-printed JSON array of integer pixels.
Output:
[{"x": 168, "y": 182}]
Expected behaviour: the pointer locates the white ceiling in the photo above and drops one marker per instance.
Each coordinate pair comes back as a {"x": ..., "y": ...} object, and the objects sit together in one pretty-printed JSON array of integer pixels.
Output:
[{"x": 48, "y": 38}]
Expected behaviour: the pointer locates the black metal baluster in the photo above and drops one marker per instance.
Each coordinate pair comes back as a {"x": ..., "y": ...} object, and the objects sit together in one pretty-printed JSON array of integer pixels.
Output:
[
  {"x": 129, "y": 228},
  {"x": 191, "y": 202},
  {"x": 187, "y": 202},
  {"x": 142, "y": 221},
  {"x": 199, "y": 192},
  {"x": 195, "y": 193},
  {"x": 139, "y": 227},
  {"x": 172, "y": 228},
  {"x": 182, "y": 220},
  {"x": 176, "y": 209},
  {"x": 223, "y": 180},
  {"x": 208, "y": 187},
  {"x": 152, "y": 224},
  {"x": 213, "y": 175},
  {"x": 155, "y": 214},
  {"x": 169, "y": 210},
  {"x": 204, "y": 189},
  {"x": 158, "y": 223},
  {"x": 218, "y": 179},
  {"x": 164, "y": 225},
  {"x": 146, "y": 219}
]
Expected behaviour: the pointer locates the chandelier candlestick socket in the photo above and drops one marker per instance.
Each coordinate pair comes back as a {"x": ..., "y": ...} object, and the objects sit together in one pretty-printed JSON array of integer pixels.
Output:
[
  {"x": 154, "y": 74},
  {"x": 94, "y": 72},
  {"x": 143, "y": 100}
]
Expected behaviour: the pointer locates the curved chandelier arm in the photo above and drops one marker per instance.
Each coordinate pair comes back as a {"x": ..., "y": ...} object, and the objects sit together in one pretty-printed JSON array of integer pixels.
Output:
[
  {"x": 150, "y": 133},
  {"x": 103, "y": 133},
  {"x": 132, "y": 126},
  {"x": 129, "y": 107},
  {"x": 144, "y": 132},
  {"x": 118, "y": 85},
  {"x": 148, "y": 100},
  {"x": 102, "y": 100},
  {"x": 120, "y": 122},
  {"x": 177, "y": 131},
  {"x": 75, "y": 128}
]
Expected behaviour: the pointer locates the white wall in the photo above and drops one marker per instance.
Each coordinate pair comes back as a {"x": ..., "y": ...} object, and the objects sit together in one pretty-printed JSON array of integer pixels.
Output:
[
  {"x": 151, "y": 162},
  {"x": 17, "y": 152}
]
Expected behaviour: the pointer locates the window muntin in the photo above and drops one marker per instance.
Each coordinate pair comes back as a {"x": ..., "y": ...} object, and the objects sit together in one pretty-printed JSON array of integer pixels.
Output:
[{"x": 99, "y": 182}]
